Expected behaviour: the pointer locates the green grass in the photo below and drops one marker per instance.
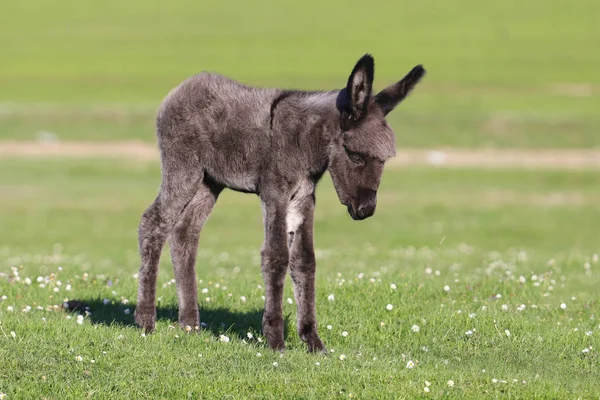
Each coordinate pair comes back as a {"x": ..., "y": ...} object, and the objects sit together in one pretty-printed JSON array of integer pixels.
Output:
[
  {"x": 516, "y": 74},
  {"x": 75, "y": 222}
]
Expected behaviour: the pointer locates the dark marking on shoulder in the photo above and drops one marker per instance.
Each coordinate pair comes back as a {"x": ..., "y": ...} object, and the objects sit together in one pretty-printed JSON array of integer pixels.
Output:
[
  {"x": 281, "y": 96},
  {"x": 288, "y": 93}
]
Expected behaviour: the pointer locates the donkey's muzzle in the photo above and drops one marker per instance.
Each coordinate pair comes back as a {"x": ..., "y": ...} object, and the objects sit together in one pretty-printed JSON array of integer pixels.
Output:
[
  {"x": 365, "y": 211},
  {"x": 362, "y": 212}
]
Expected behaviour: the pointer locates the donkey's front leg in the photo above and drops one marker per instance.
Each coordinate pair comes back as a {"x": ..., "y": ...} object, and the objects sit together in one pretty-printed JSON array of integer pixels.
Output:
[
  {"x": 302, "y": 268},
  {"x": 274, "y": 260}
]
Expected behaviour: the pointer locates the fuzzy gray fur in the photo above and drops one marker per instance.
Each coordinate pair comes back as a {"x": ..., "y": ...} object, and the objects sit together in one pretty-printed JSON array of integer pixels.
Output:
[{"x": 215, "y": 133}]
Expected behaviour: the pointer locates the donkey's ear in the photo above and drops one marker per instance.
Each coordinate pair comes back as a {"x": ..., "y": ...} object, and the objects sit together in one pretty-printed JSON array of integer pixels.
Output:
[
  {"x": 391, "y": 96},
  {"x": 360, "y": 84}
]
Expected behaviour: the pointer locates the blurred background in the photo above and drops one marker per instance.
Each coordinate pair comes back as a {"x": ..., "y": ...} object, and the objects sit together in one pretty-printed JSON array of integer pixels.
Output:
[
  {"x": 518, "y": 76},
  {"x": 503, "y": 74}
]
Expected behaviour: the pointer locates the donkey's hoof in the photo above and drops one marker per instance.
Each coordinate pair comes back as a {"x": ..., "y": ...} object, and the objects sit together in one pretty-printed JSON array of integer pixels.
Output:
[
  {"x": 316, "y": 346},
  {"x": 190, "y": 327},
  {"x": 189, "y": 320},
  {"x": 145, "y": 320},
  {"x": 278, "y": 346},
  {"x": 277, "y": 343}
]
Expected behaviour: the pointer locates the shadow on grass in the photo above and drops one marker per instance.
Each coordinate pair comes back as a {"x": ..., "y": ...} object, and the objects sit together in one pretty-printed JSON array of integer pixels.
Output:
[{"x": 215, "y": 320}]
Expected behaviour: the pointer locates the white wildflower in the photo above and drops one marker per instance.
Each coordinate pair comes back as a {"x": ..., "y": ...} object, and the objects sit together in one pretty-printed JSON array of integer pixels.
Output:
[
  {"x": 223, "y": 338},
  {"x": 446, "y": 288},
  {"x": 393, "y": 286},
  {"x": 80, "y": 319},
  {"x": 507, "y": 332},
  {"x": 329, "y": 327},
  {"x": 344, "y": 334},
  {"x": 342, "y": 357},
  {"x": 249, "y": 335},
  {"x": 415, "y": 328},
  {"x": 79, "y": 359},
  {"x": 450, "y": 383},
  {"x": 410, "y": 364},
  {"x": 389, "y": 307},
  {"x": 290, "y": 301},
  {"x": 563, "y": 306},
  {"x": 13, "y": 334}
]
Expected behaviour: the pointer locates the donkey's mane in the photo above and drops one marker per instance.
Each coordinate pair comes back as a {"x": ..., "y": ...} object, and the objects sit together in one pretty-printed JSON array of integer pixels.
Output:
[{"x": 301, "y": 94}]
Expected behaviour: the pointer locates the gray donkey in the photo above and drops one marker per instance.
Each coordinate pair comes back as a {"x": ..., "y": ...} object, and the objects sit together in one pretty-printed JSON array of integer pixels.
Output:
[{"x": 215, "y": 133}]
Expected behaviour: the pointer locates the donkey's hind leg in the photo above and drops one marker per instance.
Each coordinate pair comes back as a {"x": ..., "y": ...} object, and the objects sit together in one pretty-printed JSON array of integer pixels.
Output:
[
  {"x": 180, "y": 183},
  {"x": 184, "y": 247}
]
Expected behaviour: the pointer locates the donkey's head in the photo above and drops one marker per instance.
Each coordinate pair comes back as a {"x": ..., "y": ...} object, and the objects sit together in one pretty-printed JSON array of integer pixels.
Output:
[{"x": 358, "y": 153}]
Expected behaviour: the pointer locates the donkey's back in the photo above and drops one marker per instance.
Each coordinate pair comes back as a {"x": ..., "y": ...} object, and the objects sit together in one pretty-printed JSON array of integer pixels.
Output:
[
  {"x": 211, "y": 103},
  {"x": 223, "y": 122}
]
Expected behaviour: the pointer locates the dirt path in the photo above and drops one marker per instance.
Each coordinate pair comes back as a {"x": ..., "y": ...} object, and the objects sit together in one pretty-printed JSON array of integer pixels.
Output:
[{"x": 498, "y": 158}]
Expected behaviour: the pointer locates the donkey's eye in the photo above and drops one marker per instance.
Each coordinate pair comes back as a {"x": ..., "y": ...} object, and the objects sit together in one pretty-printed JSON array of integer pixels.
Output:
[{"x": 356, "y": 158}]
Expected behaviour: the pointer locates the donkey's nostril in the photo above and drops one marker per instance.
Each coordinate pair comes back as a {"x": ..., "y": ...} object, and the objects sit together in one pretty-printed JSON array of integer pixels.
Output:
[{"x": 365, "y": 211}]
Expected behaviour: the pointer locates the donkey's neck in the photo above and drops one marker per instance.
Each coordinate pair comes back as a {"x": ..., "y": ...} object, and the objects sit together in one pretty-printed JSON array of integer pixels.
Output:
[
  {"x": 308, "y": 120},
  {"x": 318, "y": 112}
]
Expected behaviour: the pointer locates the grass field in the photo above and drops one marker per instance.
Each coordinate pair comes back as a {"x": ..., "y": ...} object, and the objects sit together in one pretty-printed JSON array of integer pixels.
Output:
[
  {"x": 511, "y": 247},
  {"x": 467, "y": 282}
]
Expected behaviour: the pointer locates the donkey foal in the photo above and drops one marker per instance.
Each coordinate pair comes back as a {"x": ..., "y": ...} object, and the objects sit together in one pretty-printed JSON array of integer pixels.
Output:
[{"x": 215, "y": 133}]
